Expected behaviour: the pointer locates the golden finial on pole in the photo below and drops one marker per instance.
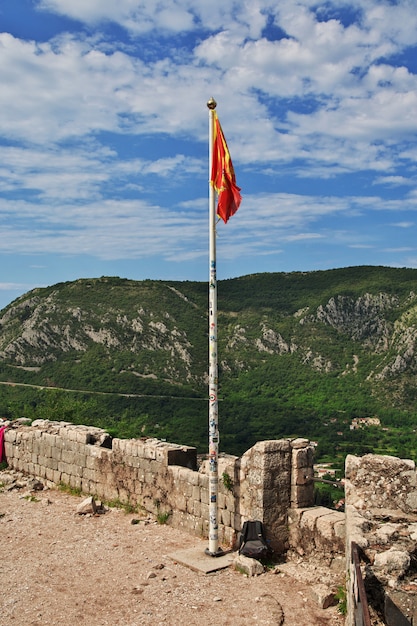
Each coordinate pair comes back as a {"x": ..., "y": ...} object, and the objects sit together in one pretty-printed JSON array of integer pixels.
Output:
[{"x": 212, "y": 104}]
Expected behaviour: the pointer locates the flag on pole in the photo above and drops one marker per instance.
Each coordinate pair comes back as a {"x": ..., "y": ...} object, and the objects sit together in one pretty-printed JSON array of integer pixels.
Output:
[{"x": 223, "y": 175}]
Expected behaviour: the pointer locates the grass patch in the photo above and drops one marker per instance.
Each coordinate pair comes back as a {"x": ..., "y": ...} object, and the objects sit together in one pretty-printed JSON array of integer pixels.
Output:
[
  {"x": 162, "y": 518},
  {"x": 72, "y": 491},
  {"x": 127, "y": 507},
  {"x": 340, "y": 595},
  {"x": 227, "y": 481}
]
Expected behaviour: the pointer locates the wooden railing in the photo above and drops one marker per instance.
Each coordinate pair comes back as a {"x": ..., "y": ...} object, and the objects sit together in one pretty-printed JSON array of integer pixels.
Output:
[{"x": 360, "y": 607}]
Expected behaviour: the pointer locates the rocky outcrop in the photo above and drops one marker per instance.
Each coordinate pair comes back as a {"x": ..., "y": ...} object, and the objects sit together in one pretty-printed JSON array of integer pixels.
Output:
[
  {"x": 363, "y": 318},
  {"x": 381, "y": 519}
]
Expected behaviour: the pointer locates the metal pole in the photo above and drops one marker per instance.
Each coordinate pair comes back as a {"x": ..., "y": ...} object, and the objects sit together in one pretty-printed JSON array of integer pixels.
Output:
[{"x": 213, "y": 549}]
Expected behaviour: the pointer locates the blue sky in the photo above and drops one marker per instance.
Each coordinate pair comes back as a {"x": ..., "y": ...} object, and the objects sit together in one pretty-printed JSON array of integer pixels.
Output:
[{"x": 104, "y": 125}]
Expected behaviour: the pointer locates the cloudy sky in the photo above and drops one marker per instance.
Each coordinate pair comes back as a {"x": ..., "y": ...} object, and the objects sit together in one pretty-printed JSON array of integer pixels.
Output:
[{"x": 104, "y": 126}]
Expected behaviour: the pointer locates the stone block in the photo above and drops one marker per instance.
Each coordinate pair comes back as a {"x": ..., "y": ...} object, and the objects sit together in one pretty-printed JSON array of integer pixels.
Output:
[
  {"x": 411, "y": 501},
  {"x": 36, "y": 447},
  {"x": 230, "y": 502},
  {"x": 149, "y": 451},
  {"x": 400, "y": 609},
  {"x": 300, "y": 442},
  {"x": 71, "y": 434},
  {"x": 50, "y": 439},
  {"x": 80, "y": 459},
  {"x": 9, "y": 450},
  {"x": 65, "y": 478},
  {"x": 311, "y": 515},
  {"x": 302, "y": 495},
  {"x": 340, "y": 529},
  {"x": 90, "y": 462},
  {"x": 250, "y": 567},
  {"x": 56, "y": 453},
  {"x": 181, "y": 502},
  {"x": 75, "y": 482},
  {"x": 225, "y": 517},
  {"x": 10, "y": 436},
  {"x": 302, "y": 458},
  {"x": 325, "y": 526},
  {"x": 43, "y": 461},
  {"x": 203, "y": 481},
  {"x": 196, "y": 493},
  {"x": 68, "y": 456},
  {"x": 89, "y": 474},
  {"x": 323, "y": 596},
  {"x": 204, "y": 495},
  {"x": 119, "y": 445}
]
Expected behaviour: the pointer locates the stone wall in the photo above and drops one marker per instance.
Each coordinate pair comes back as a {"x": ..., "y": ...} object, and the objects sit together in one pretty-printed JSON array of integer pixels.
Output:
[
  {"x": 381, "y": 518},
  {"x": 268, "y": 480}
]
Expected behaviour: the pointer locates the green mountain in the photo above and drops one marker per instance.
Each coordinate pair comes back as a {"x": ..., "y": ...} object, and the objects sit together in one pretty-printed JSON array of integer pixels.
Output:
[{"x": 300, "y": 354}]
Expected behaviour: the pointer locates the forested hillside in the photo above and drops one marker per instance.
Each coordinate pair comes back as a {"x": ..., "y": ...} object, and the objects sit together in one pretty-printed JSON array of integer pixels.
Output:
[{"x": 300, "y": 354}]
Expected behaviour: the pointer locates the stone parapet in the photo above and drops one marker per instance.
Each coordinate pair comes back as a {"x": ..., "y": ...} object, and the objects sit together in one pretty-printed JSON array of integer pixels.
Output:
[
  {"x": 265, "y": 483},
  {"x": 317, "y": 531}
]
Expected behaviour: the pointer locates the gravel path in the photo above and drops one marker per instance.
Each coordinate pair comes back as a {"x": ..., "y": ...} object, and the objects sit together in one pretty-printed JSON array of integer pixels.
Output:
[{"x": 59, "y": 568}]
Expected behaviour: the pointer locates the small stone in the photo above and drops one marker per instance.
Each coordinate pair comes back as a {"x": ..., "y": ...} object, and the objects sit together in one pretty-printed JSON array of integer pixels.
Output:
[
  {"x": 323, "y": 596},
  {"x": 217, "y": 599},
  {"x": 151, "y": 575},
  {"x": 250, "y": 567},
  {"x": 87, "y": 507},
  {"x": 35, "y": 485}
]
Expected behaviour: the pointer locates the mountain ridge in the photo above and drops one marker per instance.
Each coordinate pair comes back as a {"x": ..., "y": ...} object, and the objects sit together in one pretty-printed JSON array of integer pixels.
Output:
[{"x": 300, "y": 344}]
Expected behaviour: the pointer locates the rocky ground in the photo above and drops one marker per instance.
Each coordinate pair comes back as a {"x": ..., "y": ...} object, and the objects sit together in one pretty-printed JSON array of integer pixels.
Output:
[{"x": 59, "y": 567}]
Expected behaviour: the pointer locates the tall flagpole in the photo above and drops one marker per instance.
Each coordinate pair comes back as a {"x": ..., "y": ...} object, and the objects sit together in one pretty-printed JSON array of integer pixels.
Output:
[{"x": 213, "y": 548}]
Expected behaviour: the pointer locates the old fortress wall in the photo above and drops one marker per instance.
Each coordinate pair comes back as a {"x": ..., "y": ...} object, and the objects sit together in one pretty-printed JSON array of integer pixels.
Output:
[
  {"x": 272, "y": 482},
  {"x": 265, "y": 483}
]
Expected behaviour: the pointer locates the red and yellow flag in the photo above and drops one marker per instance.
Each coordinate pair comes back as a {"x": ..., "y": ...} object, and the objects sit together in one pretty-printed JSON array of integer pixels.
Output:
[{"x": 223, "y": 175}]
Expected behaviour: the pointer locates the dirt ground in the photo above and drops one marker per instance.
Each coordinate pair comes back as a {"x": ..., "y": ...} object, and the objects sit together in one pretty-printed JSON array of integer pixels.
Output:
[{"x": 62, "y": 568}]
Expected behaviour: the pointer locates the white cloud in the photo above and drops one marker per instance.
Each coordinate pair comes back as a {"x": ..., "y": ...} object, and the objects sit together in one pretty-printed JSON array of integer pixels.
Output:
[
  {"x": 323, "y": 97},
  {"x": 403, "y": 224},
  {"x": 81, "y": 87},
  {"x": 12, "y": 287},
  {"x": 393, "y": 181},
  {"x": 80, "y": 172},
  {"x": 142, "y": 16},
  {"x": 122, "y": 229}
]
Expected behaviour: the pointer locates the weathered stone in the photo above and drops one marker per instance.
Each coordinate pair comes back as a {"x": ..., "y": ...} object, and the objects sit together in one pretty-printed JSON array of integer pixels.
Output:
[
  {"x": 250, "y": 567},
  {"x": 299, "y": 443},
  {"x": 87, "y": 506},
  {"x": 35, "y": 485},
  {"x": 392, "y": 561},
  {"x": 323, "y": 596}
]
